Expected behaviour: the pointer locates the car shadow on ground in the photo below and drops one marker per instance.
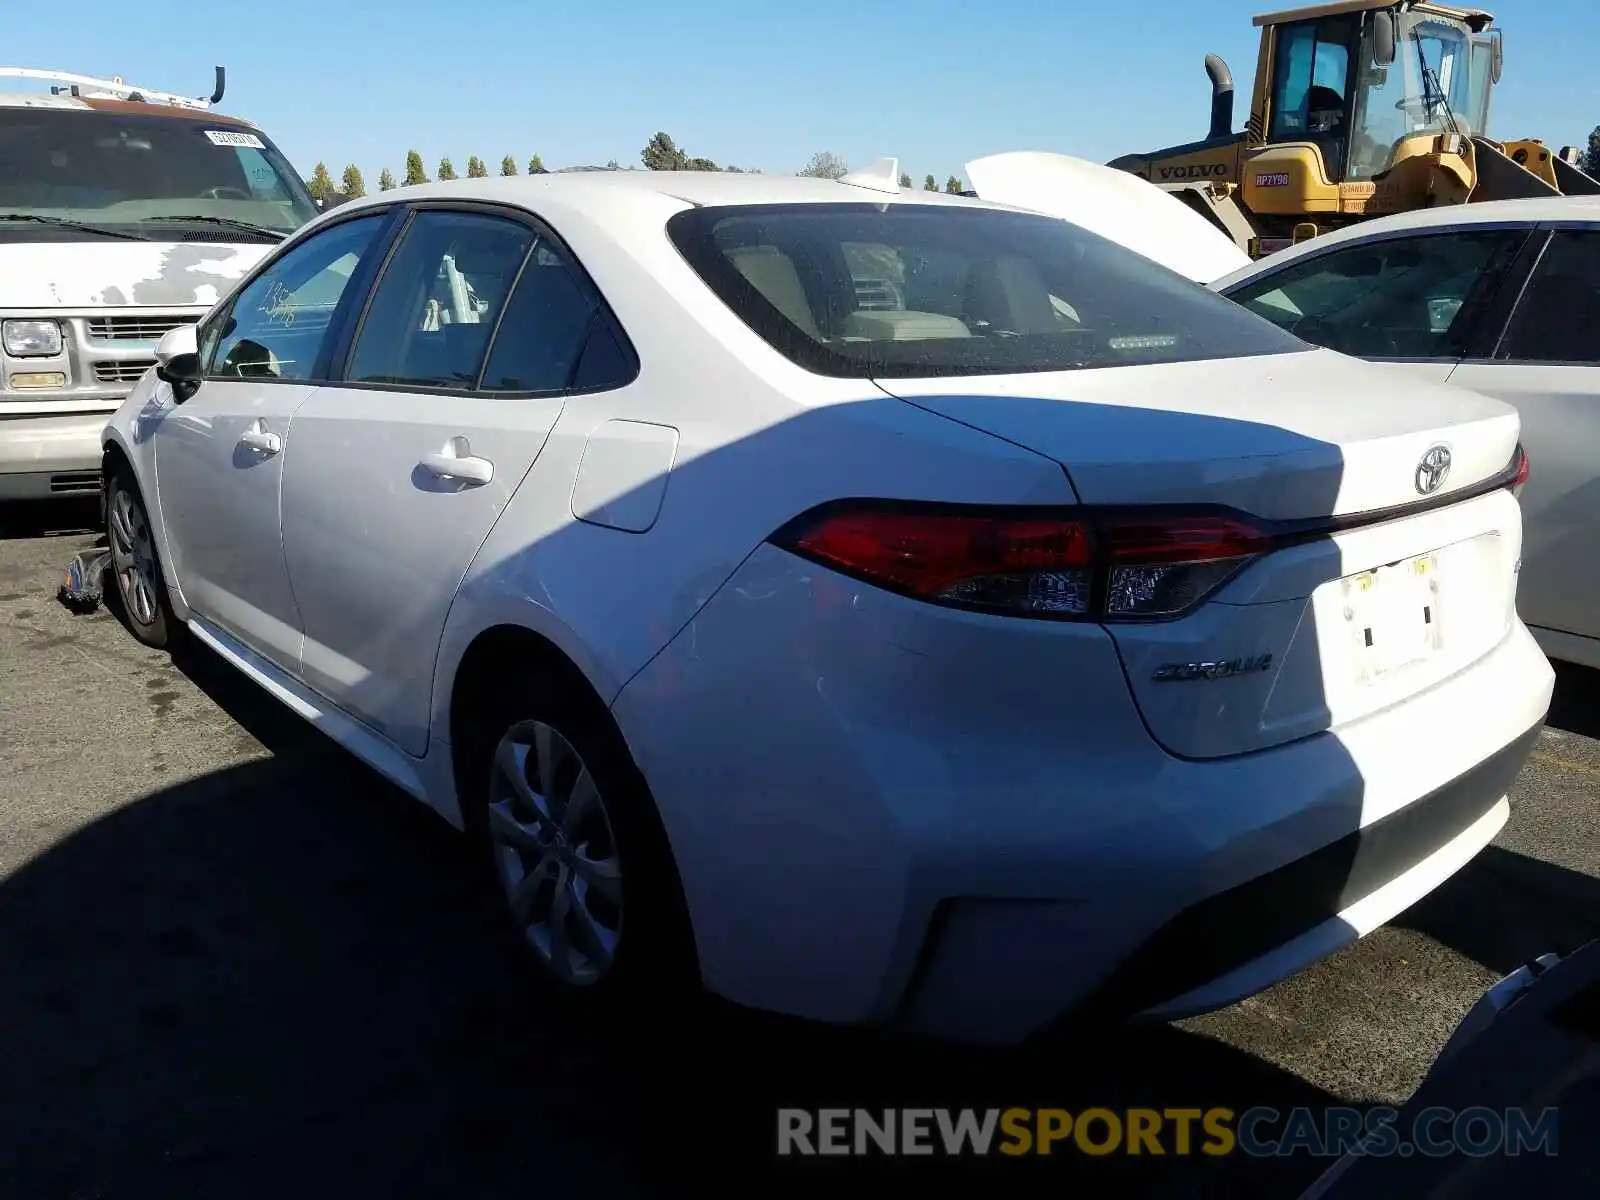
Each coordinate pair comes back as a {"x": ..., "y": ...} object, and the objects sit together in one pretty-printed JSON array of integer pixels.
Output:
[
  {"x": 1575, "y": 707},
  {"x": 50, "y": 518},
  {"x": 1504, "y": 908},
  {"x": 285, "y": 977}
]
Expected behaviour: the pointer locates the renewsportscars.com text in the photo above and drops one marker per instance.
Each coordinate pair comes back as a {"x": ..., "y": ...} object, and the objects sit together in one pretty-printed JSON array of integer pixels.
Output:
[{"x": 1258, "y": 1132}]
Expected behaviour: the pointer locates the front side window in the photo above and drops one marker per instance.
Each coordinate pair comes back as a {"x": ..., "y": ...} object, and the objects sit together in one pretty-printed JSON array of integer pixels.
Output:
[
  {"x": 918, "y": 290},
  {"x": 279, "y": 324},
  {"x": 1396, "y": 298},
  {"x": 1559, "y": 312},
  {"x": 152, "y": 175},
  {"x": 438, "y": 300}
]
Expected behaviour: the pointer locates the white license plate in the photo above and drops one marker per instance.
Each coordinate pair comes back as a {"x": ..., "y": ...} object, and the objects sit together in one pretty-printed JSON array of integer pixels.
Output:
[{"x": 1393, "y": 615}]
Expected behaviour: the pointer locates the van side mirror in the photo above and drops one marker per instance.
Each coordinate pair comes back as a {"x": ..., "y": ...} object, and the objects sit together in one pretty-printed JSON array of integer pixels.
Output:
[
  {"x": 178, "y": 361},
  {"x": 1382, "y": 39}
]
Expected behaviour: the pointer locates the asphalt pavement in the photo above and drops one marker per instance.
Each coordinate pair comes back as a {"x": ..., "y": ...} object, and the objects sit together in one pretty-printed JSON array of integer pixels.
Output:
[{"x": 236, "y": 963}]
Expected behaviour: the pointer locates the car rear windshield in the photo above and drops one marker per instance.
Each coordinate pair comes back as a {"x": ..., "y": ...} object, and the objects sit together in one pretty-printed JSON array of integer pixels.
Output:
[{"x": 916, "y": 290}]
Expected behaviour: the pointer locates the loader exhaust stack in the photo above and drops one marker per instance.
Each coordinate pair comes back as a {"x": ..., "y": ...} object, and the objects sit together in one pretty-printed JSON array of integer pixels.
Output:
[{"x": 1221, "y": 96}]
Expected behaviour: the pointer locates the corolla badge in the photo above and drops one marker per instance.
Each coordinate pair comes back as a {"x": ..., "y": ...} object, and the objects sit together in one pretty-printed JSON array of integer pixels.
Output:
[
  {"x": 1433, "y": 469},
  {"x": 1221, "y": 669}
]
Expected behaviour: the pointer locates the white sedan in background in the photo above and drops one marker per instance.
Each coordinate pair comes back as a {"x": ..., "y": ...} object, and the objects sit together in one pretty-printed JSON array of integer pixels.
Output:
[
  {"x": 1501, "y": 298},
  {"x": 872, "y": 605}
]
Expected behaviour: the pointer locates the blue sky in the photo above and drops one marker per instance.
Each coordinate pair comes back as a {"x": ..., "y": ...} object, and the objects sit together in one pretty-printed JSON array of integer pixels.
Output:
[{"x": 739, "y": 81}]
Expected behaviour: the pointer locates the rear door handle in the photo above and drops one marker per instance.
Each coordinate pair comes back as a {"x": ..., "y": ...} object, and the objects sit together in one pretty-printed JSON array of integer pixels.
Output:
[
  {"x": 462, "y": 466},
  {"x": 258, "y": 439}
]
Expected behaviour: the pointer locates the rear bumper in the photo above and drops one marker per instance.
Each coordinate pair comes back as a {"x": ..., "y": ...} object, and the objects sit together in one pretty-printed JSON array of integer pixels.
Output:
[
  {"x": 41, "y": 457},
  {"x": 888, "y": 812},
  {"x": 1235, "y": 942}
]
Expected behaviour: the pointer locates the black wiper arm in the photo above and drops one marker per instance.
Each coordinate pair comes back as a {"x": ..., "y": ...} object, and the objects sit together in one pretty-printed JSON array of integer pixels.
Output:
[
  {"x": 276, "y": 235},
  {"x": 84, "y": 226}
]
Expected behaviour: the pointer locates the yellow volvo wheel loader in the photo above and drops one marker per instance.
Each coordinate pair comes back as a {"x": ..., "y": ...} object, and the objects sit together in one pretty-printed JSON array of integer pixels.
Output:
[{"x": 1360, "y": 108}]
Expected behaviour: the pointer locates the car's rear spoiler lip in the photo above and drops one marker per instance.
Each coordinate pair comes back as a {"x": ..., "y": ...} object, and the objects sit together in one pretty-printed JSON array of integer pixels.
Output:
[{"x": 1314, "y": 527}]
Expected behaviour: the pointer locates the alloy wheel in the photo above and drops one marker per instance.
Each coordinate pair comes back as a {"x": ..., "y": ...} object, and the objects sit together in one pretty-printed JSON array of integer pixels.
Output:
[
  {"x": 133, "y": 557},
  {"x": 555, "y": 852}
]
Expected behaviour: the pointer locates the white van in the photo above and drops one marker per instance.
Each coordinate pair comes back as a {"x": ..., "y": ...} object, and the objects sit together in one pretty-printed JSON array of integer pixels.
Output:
[{"x": 123, "y": 212}]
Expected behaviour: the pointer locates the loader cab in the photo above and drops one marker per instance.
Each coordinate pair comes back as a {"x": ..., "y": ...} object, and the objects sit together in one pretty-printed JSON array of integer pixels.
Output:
[{"x": 1357, "y": 81}]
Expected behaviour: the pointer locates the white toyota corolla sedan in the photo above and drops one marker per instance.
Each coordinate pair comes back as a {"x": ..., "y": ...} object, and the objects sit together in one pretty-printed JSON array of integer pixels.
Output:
[{"x": 873, "y": 605}]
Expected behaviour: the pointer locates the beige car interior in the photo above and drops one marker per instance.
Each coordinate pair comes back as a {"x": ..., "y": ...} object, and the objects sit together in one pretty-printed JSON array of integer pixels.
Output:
[{"x": 1004, "y": 293}]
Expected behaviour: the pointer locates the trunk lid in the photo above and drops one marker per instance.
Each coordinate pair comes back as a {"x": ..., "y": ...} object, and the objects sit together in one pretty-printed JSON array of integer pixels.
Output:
[
  {"x": 1282, "y": 436},
  {"x": 1403, "y": 590},
  {"x": 1116, "y": 204}
]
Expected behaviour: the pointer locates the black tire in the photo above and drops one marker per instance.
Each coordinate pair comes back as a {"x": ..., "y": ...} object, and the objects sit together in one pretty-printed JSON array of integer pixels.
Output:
[
  {"x": 654, "y": 961},
  {"x": 147, "y": 611}
]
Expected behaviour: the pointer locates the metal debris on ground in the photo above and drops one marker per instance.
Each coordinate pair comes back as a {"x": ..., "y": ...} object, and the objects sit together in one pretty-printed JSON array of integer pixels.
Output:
[{"x": 81, "y": 589}]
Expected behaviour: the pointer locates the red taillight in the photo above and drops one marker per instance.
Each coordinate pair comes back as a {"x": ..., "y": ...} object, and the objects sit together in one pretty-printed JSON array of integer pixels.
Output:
[
  {"x": 1026, "y": 564},
  {"x": 1521, "y": 477},
  {"x": 1180, "y": 538},
  {"x": 1072, "y": 564}
]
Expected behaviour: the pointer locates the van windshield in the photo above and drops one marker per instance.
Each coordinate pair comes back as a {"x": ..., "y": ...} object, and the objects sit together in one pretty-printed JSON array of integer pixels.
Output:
[
  {"x": 917, "y": 290},
  {"x": 138, "y": 172}
]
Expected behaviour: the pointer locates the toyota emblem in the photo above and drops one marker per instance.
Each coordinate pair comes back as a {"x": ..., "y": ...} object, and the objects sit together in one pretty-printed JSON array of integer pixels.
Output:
[{"x": 1433, "y": 469}]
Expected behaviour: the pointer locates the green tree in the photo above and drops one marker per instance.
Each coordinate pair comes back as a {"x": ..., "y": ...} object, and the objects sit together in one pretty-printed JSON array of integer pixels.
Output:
[
  {"x": 700, "y": 164},
  {"x": 415, "y": 172},
  {"x": 929, "y": 184},
  {"x": 952, "y": 185},
  {"x": 446, "y": 169},
  {"x": 353, "y": 184},
  {"x": 475, "y": 167},
  {"x": 735, "y": 170},
  {"x": 536, "y": 166},
  {"x": 1590, "y": 161},
  {"x": 508, "y": 165},
  {"x": 661, "y": 154},
  {"x": 826, "y": 165},
  {"x": 385, "y": 180},
  {"x": 905, "y": 181},
  {"x": 613, "y": 165},
  {"x": 320, "y": 185}
]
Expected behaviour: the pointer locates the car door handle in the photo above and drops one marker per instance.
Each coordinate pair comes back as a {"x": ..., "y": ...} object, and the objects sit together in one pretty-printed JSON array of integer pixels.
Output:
[
  {"x": 467, "y": 469},
  {"x": 261, "y": 441}
]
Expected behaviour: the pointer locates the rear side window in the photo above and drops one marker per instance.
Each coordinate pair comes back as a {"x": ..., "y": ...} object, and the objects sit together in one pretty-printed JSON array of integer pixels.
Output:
[
  {"x": 918, "y": 290},
  {"x": 1558, "y": 317},
  {"x": 607, "y": 362},
  {"x": 1396, "y": 298},
  {"x": 542, "y": 333},
  {"x": 430, "y": 318}
]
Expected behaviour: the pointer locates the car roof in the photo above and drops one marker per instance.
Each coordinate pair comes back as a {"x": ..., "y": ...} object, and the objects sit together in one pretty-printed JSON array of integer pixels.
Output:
[
  {"x": 624, "y": 190},
  {"x": 1539, "y": 210}
]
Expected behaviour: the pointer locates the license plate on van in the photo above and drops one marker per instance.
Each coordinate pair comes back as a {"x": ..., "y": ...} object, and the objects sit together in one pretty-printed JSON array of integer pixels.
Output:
[{"x": 1393, "y": 615}]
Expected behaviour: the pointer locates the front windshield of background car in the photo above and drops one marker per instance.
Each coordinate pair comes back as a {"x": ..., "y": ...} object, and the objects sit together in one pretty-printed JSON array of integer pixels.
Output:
[
  {"x": 919, "y": 290},
  {"x": 130, "y": 171},
  {"x": 1399, "y": 100}
]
